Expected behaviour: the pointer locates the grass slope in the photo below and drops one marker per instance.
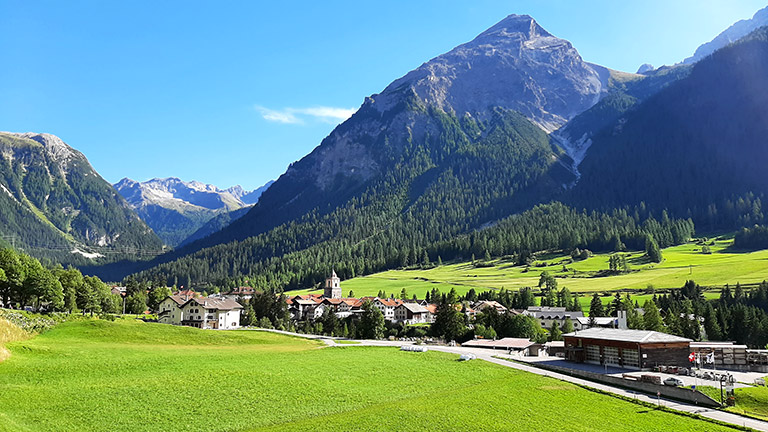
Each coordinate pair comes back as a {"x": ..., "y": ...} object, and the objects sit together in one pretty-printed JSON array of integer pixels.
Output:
[
  {"x": 96, "y": 375},
  {"x": 681, "y": 263}
]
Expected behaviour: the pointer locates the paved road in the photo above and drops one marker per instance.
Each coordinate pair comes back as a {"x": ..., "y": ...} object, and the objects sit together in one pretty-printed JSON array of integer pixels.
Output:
[{"x": 490, "y": 356}]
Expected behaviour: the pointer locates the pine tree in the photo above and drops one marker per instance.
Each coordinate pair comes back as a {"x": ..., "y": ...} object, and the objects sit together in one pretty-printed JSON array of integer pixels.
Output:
[
  {"x": 652, "y": 249},
  {"x": 555, "y": 334},
  {"x": 596, "y": 307},
  {"x": 567, "y": 326},
  {"x": 652, "y": 317}
]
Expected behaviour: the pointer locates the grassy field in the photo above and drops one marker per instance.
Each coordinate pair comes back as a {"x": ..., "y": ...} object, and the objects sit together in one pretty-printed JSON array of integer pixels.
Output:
[
  {"x": 681, "y": 263},
  {"x": 126, "y": 375},
  {"x": 752, "y": 401}
]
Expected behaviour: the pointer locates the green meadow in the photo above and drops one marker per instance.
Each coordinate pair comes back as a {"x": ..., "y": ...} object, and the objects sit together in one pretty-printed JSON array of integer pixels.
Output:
[
  {"x": 94, "y": 375},
  {"x": 681, "y": 263}
]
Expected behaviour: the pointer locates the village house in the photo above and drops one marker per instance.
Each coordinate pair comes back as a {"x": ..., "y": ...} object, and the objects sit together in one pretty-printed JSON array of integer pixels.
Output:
[
  {"x": 169, "y": 311},
  {"x": 546, "y": 315},
  {"x": 481, "y": 305},
  {"x": 209, "y": 313},
  {"x": 387, "y": 307},
  {"x": 411, "y": 313},
  {"x": 201, "y": 312}
]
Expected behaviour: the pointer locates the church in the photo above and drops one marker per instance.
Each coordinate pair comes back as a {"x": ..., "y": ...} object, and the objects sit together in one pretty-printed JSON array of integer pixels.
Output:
[{"x": 332, "y": 286}]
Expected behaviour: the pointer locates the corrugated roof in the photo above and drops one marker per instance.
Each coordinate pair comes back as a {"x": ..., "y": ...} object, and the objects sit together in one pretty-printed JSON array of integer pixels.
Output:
[{"x": 640, "y": 336}]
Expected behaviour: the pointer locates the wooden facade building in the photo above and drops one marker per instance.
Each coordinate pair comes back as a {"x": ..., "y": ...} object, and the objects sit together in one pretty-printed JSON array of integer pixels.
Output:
[{"x": 632, "y": 349}]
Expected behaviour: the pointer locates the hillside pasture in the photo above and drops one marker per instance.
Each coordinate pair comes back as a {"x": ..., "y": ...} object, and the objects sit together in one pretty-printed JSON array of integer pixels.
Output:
[{"x": 681, "y": 263}]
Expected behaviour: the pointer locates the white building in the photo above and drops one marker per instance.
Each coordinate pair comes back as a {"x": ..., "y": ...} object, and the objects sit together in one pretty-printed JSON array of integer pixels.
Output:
[
  {"x": 169, "y": 312},
  {"x": 387, "y": 307},
  {"x": 201, "y": 312},
  {"x": 546, "y": 315},
  {"x": 411, "y": 313}
]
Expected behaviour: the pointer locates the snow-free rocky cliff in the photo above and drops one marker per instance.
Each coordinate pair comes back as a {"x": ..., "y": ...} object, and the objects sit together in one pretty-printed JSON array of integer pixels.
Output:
[{"x": 515, "y": 64}]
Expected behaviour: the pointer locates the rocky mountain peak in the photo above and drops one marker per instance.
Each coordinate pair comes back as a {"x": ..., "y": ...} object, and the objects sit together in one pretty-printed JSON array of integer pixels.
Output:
[
  {"x": 733, "y": 33},
  {"x": 514, "y": 26},
  {"x": 515, "y": 64}
]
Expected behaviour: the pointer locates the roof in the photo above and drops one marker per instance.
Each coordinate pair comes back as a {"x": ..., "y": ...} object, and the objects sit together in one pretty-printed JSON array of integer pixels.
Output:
[
  {"x": 414, "y": 307},
  {"x": 211, "y": 303},
  {"x": 178, "y": 299},
  {"x": 547, "y": 312},
  {"x": 639, "y": 336},
  {"x": 486, "y": 303},
  {"x": 505, "y": 343},
  {"x": 432, "y": 308},
  {"x": 305, "y": 302},
  {"x": 390, "y": 301}
]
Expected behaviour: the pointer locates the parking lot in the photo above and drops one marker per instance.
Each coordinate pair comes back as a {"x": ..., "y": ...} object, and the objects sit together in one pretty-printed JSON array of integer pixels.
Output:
[{"x": 742, "y": 379}]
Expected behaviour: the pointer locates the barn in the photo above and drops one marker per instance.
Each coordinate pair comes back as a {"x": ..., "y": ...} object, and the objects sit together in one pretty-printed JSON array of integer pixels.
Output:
[{"x": 631, "y": 349}]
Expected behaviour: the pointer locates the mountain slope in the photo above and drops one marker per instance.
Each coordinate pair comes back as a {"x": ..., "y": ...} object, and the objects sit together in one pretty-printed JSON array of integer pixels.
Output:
[
  {"x": 733, "y": 33},
  {"x": 697, "y": 148},
  {"x": 54, "y": 203},
  {"x": 452, "y": 146},
  {"x": 536, "y": 74},
  {"x": 175, "y": 209}
]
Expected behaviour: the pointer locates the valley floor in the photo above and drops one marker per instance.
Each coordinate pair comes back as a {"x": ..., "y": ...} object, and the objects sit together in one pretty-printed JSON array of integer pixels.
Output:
[{"x": 145, "y": 377}]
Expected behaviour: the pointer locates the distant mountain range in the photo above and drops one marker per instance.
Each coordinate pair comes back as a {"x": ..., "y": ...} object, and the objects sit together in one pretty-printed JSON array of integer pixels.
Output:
[
  {"x": 55, "y": 206},
  {"x": 176, "y": 209}
]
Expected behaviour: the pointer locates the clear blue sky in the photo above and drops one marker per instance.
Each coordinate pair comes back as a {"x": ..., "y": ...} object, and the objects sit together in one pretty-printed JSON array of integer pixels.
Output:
[{"x": 232, "y": 92}]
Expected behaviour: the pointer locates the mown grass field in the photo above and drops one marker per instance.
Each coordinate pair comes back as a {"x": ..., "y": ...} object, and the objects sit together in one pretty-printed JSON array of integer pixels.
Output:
[
  {"x": 751, "y": 401},
  {"x": 681, "y": 263},
  {"x": 133, "y": 376}
]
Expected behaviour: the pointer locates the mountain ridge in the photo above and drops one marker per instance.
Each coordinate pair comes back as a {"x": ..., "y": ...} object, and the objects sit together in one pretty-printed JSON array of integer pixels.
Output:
[
  {"x": 57, "y": 205},
  {"x": 176, "y": 209}
]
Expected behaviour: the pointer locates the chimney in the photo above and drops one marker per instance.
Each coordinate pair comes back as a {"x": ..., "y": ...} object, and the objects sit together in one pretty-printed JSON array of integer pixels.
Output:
[{"x": 623, "y": 320}]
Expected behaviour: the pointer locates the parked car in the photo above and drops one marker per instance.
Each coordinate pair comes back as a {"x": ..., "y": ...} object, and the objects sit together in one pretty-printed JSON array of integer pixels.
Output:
[{"x": 672, "y": 381}]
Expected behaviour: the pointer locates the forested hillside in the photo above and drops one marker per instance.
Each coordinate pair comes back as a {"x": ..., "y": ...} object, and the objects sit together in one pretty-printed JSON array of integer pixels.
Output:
[
  {"x": 405, "y": 181},
  {"x": 53, "y": 202},
  {"x": 697, "y": 148},
  {"x": 464, "y": 175}
]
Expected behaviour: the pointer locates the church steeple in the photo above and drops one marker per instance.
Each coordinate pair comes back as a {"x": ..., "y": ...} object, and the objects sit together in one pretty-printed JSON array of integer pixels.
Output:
[{"x": 332, "y": 286}]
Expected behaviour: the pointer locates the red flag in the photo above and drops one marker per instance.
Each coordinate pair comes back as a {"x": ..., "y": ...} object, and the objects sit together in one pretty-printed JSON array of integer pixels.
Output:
[{"x": 692, "y": 357}]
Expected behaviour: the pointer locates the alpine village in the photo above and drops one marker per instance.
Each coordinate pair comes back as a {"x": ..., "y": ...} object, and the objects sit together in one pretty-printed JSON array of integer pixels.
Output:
[{"x": 507, "y": 237}]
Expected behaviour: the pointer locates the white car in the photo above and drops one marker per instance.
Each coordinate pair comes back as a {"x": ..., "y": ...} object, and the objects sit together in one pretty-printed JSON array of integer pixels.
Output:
[{"x": 672, "y": 381}]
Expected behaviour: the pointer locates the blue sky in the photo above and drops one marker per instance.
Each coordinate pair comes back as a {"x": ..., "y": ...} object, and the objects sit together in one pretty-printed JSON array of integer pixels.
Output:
[{"x": 233, "y": 92}]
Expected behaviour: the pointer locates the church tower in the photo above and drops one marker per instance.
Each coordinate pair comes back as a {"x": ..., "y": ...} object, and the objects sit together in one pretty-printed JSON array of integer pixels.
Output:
[{"x": 332, "y": 286}]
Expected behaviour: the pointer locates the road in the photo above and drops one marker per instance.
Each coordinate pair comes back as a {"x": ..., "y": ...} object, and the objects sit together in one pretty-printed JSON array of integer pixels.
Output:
[{"x": 491, "y": 357}]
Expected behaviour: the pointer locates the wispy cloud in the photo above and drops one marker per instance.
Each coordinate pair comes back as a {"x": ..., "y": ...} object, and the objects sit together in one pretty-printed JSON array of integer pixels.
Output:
[{"x": 324, "y": 114}]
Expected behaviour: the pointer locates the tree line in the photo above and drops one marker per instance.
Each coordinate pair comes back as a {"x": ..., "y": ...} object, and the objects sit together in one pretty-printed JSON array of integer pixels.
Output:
[{"x": 24, "y": 281}]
